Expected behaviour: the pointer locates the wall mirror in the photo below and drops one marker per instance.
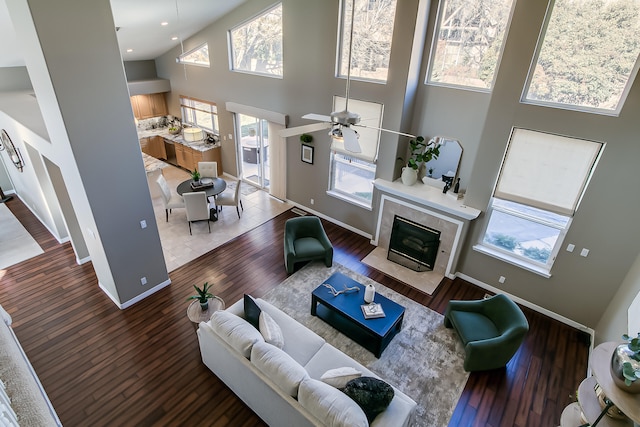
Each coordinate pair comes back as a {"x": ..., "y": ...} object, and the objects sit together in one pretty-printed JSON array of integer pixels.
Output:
[{"x": 448, "y": 161}]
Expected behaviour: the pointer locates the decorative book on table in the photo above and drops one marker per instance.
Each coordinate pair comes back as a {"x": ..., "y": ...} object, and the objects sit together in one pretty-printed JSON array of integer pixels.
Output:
[
  {"x": 202, "y": 185},
  {"x": 372, "y": 311}
]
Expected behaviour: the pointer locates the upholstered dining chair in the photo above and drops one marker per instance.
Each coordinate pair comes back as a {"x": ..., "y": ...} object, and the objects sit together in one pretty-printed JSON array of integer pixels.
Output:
[
  {"x": 208, "y": 169},
  {"x": 170, "y": 199},
  {"x": 491, "y": 330},
  {"x": 226, "y": 198},
  {"x": 305, "y": 240},
  {"x": 197, "y": 208}
]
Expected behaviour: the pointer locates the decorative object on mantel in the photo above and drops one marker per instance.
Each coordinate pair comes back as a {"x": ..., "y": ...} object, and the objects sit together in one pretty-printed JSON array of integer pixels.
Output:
[
  {"x": 12, "y": 151},
  {"x": 421, "y": 153},
  {"x": 203, "y": 296},
  {"x": 456, "y": 188},
  {"x": 625, "y": 364}
]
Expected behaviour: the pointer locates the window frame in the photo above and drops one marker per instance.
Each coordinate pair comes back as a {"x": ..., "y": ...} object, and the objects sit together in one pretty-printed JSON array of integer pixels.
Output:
[
  {"x": 248, "y": 21},
  {"x": 213, "y": 112},
  {"x": 571, "y": 107},
  {"x": 180, "y": 58},
  {"x": 343, "y": 195},
  {"x": 432, "y": 53}
]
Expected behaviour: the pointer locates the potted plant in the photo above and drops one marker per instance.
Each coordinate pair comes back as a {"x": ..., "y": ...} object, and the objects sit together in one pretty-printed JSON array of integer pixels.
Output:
[
  {"x": 306, "y": 138},
  {"x": 625, "y": 364},
  {"x": 203, "y": 296},
  {"x": 420, "y": 152},
  {"x": 195, "y": 175}
]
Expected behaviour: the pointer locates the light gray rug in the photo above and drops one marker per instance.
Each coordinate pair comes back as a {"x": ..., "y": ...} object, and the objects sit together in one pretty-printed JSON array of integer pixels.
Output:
[
  {"x": 16, "y": 244},
  {"x": 424, "y": 360}
]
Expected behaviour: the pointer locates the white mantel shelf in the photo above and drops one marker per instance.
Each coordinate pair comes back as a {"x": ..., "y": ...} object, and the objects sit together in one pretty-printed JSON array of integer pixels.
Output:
[{"x": 427, "y": 195}]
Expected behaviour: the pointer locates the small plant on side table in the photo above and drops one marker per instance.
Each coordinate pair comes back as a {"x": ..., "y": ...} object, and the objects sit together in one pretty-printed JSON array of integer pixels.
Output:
[{"x": 203, "y": 296}]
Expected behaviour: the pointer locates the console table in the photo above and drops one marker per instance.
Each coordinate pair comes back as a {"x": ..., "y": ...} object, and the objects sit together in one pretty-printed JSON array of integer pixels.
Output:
[{"x": 588, "y": 405}]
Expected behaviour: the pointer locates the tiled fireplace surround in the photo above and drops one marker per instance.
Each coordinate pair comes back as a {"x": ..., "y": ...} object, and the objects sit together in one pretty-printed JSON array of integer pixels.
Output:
[{"x": 428, "y": 206}]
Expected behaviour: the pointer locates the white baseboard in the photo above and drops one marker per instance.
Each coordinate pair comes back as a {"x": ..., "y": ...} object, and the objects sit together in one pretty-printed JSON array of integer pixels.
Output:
[
  {"x": 138, "y": 298},
  {"x": 332, "y": 220},
  {"x": 532, "y": 306}
]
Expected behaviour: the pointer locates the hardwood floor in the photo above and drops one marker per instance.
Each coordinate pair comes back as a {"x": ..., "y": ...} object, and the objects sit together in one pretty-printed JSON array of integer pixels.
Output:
[{"x": 102, "y": 366}]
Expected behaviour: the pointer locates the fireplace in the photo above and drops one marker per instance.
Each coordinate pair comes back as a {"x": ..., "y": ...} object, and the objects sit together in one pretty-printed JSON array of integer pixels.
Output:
[{"x": 413, "y": 245}]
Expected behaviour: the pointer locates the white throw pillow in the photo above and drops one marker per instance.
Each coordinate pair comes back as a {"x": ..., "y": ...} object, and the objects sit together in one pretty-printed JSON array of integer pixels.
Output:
[
  {"x": 330, "y": 405},
  {"x": 235, "y": 331},
  {"x": 270, "y": 330},
  {"x": 281, "y": 368},
  {"x": 339, "y": 377}
]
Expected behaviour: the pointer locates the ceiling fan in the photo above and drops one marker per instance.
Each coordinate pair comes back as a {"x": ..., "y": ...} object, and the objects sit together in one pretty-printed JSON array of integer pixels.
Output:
[{"x": 342, "y": 122}]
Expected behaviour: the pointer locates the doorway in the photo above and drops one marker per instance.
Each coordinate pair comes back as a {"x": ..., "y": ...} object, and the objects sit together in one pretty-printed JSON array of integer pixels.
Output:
[{"x": 253, "y": 150}]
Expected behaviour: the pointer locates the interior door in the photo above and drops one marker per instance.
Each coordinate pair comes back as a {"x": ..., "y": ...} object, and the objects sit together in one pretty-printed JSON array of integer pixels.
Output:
[{"x": 253, "y": 150}]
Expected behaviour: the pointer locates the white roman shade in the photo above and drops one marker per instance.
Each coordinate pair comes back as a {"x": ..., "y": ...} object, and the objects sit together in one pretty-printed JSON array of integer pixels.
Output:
[
  {"x": 546, "y": 171},
  {"x": 370, "y": 115}
]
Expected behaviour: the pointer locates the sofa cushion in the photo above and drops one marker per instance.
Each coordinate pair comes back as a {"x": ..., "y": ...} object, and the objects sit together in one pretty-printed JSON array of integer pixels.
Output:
[
  {"x": 235, "y": 331},
  {"x": 279, "y": 367},
  {"x": 330, "y": 405},
  {"x": 339, "y": 377},
  {"x": 270, "y": 330},
  {"x": 251, "y": 311},
  {"x": 371, "y": 394}
]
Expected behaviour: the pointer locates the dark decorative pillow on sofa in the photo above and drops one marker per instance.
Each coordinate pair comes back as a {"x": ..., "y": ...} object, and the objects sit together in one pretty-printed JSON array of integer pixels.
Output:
[
  {"x": 371, "y": 394},
  {"x": 252, "y": 311}
]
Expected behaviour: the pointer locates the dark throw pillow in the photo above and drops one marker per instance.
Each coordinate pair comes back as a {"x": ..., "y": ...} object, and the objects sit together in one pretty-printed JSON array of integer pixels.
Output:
[
  {"x": 371, "y": 394},
  {"x": 252, "y": 311}
]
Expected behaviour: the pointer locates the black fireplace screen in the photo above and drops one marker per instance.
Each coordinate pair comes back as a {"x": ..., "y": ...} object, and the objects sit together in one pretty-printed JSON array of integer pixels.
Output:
[{"x": 413, "y": 245}]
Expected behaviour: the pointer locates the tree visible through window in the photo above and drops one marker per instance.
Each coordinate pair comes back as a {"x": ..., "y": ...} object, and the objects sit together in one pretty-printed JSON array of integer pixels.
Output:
[
  {"x": 588, "y": 55},
  {"x": 198, "y": 56},
  {"x": 256, "y": 46},
  {"x": 372, "y": 36},
  {"x": 468, "y": 45}
]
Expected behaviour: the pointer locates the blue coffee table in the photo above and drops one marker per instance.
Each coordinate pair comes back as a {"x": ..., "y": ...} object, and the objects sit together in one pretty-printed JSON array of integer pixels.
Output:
[{"x": 343, "y": 312}]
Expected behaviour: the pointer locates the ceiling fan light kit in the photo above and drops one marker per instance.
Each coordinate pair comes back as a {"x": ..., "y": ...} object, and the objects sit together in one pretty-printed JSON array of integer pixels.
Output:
[{"x": 12, "y": 150}]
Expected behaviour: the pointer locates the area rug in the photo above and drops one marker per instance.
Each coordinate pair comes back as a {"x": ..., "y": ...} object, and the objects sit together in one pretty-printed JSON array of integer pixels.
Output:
[
  {"x": 424, "y": 360},
  {"x": 425, "y": 281},
  {"x": 245, "y": 190},
  {"x": 16, "y": 244}
]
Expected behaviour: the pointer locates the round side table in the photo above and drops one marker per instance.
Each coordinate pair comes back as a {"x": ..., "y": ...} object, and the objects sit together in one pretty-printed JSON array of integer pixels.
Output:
[{"x": 197, "y": 315}]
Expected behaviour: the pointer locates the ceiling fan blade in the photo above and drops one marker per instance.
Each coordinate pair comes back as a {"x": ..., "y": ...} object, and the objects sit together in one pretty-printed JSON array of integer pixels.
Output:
[
  {"x": 387, "y": 130},
  {"x": 318, "y": 117},
  {"x": 299, "y": 130},
  {"x": 351, "y": 140}
]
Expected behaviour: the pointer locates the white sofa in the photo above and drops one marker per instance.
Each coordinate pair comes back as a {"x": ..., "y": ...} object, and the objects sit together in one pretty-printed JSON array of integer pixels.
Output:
[
  {"x": 23, "y": 400},
  {"x": 235, "y": 356}
]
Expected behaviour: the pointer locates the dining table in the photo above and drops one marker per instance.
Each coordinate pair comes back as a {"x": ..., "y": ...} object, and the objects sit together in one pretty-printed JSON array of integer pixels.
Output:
[{"x": 211, "y": 186}]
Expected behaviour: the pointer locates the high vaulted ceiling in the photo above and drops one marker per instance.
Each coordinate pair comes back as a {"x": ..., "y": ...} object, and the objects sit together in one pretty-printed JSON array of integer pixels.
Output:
[{"x": 140, "y": 26}]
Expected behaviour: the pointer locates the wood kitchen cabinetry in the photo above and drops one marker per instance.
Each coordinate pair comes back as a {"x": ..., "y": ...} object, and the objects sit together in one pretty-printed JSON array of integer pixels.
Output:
[
  {"x": 188, "y": 158},
  {"x": 147, "y": 106},
  {"x": 153, "y": 146}
]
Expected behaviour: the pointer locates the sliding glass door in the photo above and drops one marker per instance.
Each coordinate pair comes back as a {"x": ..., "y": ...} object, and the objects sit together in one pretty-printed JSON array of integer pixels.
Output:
[{"x": 253, "y": 150}]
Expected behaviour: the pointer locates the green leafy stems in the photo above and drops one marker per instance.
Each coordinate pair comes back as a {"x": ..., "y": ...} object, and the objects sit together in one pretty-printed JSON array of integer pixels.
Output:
[
  {"x": 422, "y": 152},
  {"x": 203, "y": 294},
  {"x": 630, "y": 374},
  {"x": 195, "y": 175}
]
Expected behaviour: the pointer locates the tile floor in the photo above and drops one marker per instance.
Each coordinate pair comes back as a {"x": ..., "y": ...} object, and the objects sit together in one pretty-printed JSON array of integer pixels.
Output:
[{"x": 179, "y": 247}]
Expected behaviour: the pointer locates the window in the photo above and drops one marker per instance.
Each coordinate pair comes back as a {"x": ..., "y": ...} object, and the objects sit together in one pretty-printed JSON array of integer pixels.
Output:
[
  {"x": 468, "y": 42},
  {"x": 199, "y": 113},
  {"x": 352, "y": 174},
  {"x": 541, "y": 181},
  {"x": 588, "y": 57},
  {"x": 372, "y": 36},
  {"x": 198, "y": 56},
  {"x": 256, "y": 45}
]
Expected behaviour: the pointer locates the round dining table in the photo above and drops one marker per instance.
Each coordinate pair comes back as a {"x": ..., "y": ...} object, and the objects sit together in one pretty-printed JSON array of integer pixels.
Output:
[{"x": 218, "y": 187}]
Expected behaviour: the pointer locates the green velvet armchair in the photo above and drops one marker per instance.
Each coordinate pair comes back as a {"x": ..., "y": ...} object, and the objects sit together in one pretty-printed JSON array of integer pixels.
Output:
[
  {"x": 491, "y": 330},
  {"x": 305, "y": 240}
]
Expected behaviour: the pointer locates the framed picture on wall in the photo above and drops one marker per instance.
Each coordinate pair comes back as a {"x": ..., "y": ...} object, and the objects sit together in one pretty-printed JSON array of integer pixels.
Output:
[{"x": 307, "y": 153}]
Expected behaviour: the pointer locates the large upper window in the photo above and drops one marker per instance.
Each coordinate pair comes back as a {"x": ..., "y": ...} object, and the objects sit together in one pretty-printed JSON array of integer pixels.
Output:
[
  {"x": 203, "y": 114},
  {"x": 256, "y": 45},
  {"x": 588, "y": 56},
  {"x": 468, "y": 42},
  {"x": 372, "y": 36},
  {"x": 197, "y": 56},
  {"x": 542, "y": 179},
  {"x": 352, "y": 174}
]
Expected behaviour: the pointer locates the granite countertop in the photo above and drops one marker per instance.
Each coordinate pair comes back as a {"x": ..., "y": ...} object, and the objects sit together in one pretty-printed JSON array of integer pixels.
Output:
[{"x": 177, "y": 139}]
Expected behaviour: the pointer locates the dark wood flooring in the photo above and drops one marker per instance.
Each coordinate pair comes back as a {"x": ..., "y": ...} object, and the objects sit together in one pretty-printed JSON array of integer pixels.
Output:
[{"x": 102, "y": 366}]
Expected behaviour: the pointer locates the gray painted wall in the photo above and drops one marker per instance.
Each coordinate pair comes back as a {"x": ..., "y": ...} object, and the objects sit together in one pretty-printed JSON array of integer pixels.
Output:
[{"x": 14, "y": 78}]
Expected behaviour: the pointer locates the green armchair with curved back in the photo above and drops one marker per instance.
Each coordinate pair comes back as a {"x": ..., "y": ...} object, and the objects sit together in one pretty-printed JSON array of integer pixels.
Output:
[
  {"x": 491, "y": 330},
  {"x": 305, "y": 240}
]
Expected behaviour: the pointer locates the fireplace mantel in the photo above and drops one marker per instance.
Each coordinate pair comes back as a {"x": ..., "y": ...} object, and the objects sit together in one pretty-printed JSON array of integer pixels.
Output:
[{"x": 428, "y": 196}]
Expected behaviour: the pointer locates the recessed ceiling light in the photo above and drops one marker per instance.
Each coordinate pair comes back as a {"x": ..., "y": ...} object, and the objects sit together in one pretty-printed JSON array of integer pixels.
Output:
[
  {"x": 129, "y": 50},
  {"x": 164, "y": 23},
  {"x": 174, "y": 38}
]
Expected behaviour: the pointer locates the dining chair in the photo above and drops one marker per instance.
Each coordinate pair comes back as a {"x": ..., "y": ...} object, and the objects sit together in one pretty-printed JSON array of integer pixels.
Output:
[
  {"x": 197, "y": 208},
  {"x": 170, "y": 199},
  {"x": 227, "y": 199},
  {"x": 208, "y": 169}
]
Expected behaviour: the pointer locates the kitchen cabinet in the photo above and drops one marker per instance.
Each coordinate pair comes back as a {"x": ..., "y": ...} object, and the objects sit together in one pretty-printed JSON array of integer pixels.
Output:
[
  {"x": 144, "y": 145},
  {"x": 147, "y": 106},
  {"x": 156, "y": 147},
  {"x": 188, "y": 158}
]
